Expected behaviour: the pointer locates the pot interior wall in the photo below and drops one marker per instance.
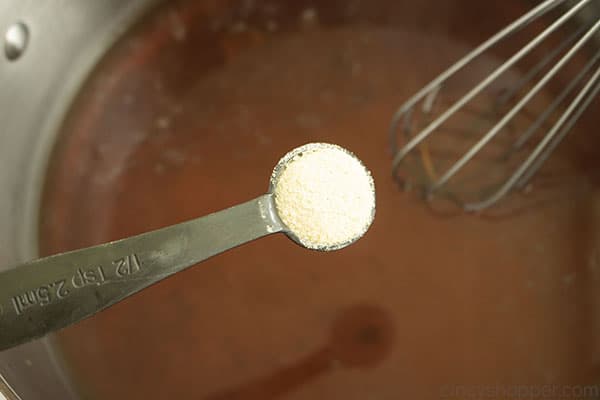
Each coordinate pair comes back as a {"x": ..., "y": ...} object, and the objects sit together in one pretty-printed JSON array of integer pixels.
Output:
[{"x": 189, "y": 113}]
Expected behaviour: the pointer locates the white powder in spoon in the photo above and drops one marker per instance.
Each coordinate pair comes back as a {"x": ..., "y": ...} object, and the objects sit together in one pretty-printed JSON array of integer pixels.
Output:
[{"x": 324, "y": 195}]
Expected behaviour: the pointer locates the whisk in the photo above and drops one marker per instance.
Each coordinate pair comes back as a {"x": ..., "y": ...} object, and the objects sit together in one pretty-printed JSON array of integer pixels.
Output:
[{"x": 497, "y": 131}]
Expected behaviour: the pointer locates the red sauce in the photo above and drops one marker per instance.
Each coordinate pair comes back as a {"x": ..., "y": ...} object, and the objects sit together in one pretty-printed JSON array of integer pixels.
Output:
[{"x": 189, "y": 113}]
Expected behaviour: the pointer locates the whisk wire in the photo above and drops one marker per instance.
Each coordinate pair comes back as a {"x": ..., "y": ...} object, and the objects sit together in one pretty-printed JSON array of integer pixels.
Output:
[
  {"x": 521, "y": 140},
  {"x": 492, "y": 132},
  {"x": 535, "y": 13},
  {"x": 414, "y": 141},
  {"x": 533, "y": 158},
  {"x": 563, "y": 132},
  {"x": 430, "y": 119},
  {"x": 543, "y": 63}
]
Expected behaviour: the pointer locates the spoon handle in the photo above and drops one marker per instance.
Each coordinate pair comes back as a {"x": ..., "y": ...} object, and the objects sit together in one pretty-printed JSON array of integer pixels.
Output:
[{"x": 50, "y": 293}]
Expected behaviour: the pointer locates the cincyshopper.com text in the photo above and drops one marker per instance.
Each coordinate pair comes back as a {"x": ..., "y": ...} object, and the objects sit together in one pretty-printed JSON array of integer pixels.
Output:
[{"x": 481, "y": 392}]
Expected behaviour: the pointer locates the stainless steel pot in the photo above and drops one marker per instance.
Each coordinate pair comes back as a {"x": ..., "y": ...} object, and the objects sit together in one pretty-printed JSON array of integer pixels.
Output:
[{"x": 49, "y": 49}]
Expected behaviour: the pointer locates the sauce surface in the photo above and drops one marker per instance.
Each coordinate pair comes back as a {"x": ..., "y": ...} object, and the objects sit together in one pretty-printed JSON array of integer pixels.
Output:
[{"x": 188, "y": 115}]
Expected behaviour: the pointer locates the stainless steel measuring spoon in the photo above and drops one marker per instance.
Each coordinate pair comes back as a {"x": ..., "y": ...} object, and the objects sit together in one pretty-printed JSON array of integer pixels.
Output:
[{"x": 50, "y": 293}]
